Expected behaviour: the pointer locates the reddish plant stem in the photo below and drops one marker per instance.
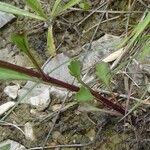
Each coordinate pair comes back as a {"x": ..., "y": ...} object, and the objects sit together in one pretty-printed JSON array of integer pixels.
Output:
[{"x": 62, "y": 84}]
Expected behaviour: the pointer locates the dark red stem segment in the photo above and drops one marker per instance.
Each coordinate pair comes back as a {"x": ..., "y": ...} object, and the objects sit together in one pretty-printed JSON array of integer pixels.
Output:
[{"x": 60, "y": 83}]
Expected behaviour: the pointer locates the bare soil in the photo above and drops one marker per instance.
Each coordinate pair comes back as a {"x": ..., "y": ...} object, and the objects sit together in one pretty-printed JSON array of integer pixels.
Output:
[{"x": 72, "y": 126}]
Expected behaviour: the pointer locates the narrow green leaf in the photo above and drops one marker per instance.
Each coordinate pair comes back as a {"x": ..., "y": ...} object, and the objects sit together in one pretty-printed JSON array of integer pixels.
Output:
[
  {"x": 59, "y": 7},
  {"x": 5, "y": 147},
  {"x": 21, "y": 41},
  {"x": 8, "y": 74},
  {"x": 56, "y": 7},
  {"x": 103, "y": 73},
  {"x": 136, "y": 32},
  {"x": 83, "y": 95},
  {"x": 50, "y": 42},
  {"x": 36, "y": 6},
  {"x": 75, "y": 68},
  {"x": 70, "y": 4},
  {"x": 17, "y": 11},
  {"x": 85, "y": 5},
  {"x": 140, "y": 28}
]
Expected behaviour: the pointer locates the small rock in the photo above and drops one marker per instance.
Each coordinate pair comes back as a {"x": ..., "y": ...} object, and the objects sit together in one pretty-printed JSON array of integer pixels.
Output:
[
  {"x": 56, "y": 107},
  {"x": 28, "y": 130},
  {"x": 5, "y": 18},
  {"x": 5, "y": 107},
  {"x": 41, "y": 101},
  {"x": 12, "y": 91},
  {"x": 37, "y": 114},
  {"x": 13, "y": 145},
  {"x": 12, "y": 56},
  {"x": 57, "y": 67}
]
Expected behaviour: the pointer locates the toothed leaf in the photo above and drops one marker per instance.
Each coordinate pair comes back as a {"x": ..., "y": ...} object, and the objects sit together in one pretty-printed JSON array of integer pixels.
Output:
[
  {"x": 83, "y": 95},
  {"x": 75, "y": 68}
]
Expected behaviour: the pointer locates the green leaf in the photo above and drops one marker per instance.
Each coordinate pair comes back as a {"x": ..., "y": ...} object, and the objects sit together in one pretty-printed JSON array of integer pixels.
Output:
[
  {"x": 21, "y": 41},
  {"x": 85, "y": 5},
  {"x": 17, "y": 11},
  {"x": 70, "y": 4},
  {"x": 138, "y": 30},
  {"x": 56, "y": 7},
  {"x": 83, "y": 95},
  {"x": 36, "y": 6},
  {"x": 103, "y": 73},
  {"x": 5, "y": 147},
  {"x": 8, "y": 74},
  {"x": 50, "y": 42},
  {"x": 75, "y": 68}
]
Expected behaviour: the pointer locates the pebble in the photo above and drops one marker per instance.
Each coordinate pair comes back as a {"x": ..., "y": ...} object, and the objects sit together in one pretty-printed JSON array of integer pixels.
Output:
[
  {"x": 12, "y": 91},
  {"x": 5, "y": 107},
  {"x": 5, "y": 18}
]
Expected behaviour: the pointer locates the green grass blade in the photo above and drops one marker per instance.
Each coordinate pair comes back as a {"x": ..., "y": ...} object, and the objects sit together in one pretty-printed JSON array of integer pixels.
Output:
[
  {"x": 136, "y": 32},
  {"x": 140, "y": 28},
  {"x": 36, "y": 6},
  {"x": 8, "y": 74},
  {"x": 55, "y": 7},
  {"x": 17, "y": 11},
  {"x": 70, "y": 4},
  {"x": 59, "y": 7},
  {"x": 22, "y": 43}
]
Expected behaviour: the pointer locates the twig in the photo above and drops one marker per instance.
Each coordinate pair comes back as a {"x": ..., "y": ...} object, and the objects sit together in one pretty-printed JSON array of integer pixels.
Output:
[
  {"x": 4, "y": 123},
  {"x": 96, "y": 29},
  {"x": 110, "y": 19},
  {"x": 92, "y": 12},
  {"x": 51, "y": 80},
  {"x": 110, "y": 11}
]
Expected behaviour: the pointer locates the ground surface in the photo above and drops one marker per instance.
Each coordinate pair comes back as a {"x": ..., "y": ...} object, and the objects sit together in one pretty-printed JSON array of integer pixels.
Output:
[{"x": 92, "y": 130}]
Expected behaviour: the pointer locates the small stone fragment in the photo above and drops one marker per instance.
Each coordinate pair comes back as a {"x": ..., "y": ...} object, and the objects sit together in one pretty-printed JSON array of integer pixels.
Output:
[
  {"x": 28, "y": 130},
  {"x": 37, "y": 114},
  {"x": 5, "y": 107},
  {"x": 5, "y": 18},
  {"x": 13, "y": 145},
  {"x": 56, "y": 107},
  {"x": 41, "y": 101},
  {"x": 12, "y": 91}
]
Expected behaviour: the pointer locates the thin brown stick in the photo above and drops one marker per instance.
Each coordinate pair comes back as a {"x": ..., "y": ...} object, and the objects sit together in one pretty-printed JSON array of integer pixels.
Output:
[{"x": 73, "y": 88}]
